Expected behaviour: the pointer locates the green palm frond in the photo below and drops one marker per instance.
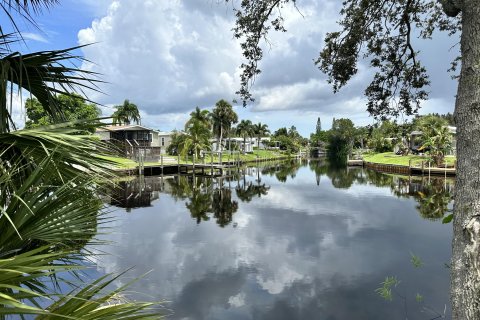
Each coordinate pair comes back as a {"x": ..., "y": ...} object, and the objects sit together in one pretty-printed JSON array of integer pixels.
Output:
[
  {"x": 73, "y": 151},
  {"x": 91, "y": 303},
  {"x": 50, "y": 184},
  {"x": 44, "y": 74},
  {"x": 23, "y": 291},
  {"x": 22, "y": 280}
]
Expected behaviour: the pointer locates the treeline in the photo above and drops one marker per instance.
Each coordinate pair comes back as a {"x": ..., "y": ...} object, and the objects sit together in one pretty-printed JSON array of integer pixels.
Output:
[
  {"x": 221, "y": 124},
  {"x": 432, "y": 135}
]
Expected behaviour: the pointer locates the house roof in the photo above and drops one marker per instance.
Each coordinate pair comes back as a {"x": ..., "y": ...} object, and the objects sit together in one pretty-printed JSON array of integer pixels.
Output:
[
  {"x": 131, "y": 127},
  {"x": 164, "y": 133}
]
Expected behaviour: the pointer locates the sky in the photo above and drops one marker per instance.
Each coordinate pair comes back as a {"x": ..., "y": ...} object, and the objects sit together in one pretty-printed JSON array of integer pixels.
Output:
[{"x": 168, "y": 57}]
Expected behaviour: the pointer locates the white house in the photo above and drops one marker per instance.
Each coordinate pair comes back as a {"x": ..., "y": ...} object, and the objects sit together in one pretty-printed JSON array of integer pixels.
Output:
[{"x": 164, "y": 140}]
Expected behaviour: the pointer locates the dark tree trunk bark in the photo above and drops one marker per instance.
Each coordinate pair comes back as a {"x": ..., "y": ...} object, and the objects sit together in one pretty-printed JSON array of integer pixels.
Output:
[{"x": 465, "y": 283}]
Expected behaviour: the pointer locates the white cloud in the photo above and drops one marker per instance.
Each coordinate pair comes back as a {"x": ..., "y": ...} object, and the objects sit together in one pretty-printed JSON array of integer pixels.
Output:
[
  {"x": 15, "y": 105},
  {"x": 163, "y": 56},
  {"x": 170, "y": 56},
  {"x": 34, "y": 37}
]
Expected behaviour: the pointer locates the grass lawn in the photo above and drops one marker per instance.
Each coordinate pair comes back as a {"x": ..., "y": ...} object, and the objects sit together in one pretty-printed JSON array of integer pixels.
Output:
[
  {"x": 392, "y": 158},
  {"x": 124, "y": 163},
  {"x": 249, "y": 156}
]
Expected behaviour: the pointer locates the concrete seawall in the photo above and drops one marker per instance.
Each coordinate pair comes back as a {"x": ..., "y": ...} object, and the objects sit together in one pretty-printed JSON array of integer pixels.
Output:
[{"x": 406, "y": 170}]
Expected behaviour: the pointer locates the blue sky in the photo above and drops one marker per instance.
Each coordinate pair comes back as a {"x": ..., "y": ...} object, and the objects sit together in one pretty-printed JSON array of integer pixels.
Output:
[{"x": 170, "y": 56}]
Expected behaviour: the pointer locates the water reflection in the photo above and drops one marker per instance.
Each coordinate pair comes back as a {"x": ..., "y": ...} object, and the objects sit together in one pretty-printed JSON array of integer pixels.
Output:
[
  {"x": 296, "y": 241},
  {"x": 283, "y": 170},
  {"x": 136, "y": 193},
  {"x": 433, "y": 194},
  {"x": 206, "y": 196}
]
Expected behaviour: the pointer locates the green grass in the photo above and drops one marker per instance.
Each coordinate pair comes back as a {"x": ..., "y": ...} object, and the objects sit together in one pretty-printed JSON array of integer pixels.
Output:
[
  {"x": 262, "y": 154},
  {"x": 392, "y": 158},
  {"x": 121, "y": 163}
]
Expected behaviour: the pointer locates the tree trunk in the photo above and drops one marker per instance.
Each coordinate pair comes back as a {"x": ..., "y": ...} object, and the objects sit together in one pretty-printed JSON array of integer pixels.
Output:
[
  {"x": 465, "y": 283},
  {"x": 219, "y": 146}
]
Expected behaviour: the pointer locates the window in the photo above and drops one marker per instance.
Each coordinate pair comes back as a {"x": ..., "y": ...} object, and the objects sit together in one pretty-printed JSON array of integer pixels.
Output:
[
  {"x": 163, "y": 142},
  {"x": 143, "y": 135}
]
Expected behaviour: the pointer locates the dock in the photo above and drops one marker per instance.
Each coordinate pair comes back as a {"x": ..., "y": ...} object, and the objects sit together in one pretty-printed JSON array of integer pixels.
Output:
[{"x": 355, "y": 163}]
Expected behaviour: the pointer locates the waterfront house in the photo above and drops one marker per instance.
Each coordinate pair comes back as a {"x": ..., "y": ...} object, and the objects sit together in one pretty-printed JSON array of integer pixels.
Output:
[
  {"x": 130, "y": 134},
  {"x": 136, "y": 138}
]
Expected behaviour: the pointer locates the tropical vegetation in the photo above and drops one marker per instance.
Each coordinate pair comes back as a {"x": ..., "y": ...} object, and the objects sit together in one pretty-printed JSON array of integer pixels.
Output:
[
  {"x": 73, "y": 106},
  {"x": 245, "y": 130},
  {"x": 223, "y": 117},
  {"x": 433, "y": 138},
  {"x": 203, "y": 125}
]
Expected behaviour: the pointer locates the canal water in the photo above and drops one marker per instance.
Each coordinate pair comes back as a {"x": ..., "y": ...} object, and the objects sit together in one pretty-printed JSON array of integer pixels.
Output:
[{"x": 292, "y": 240}]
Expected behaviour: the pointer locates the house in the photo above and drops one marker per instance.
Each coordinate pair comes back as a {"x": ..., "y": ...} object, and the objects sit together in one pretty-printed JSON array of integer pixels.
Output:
[
  {"x": 235, "y": 143},
  {"x": 131, "y": 134},
  {"x": 132, "y": 138},
  {"x": 164, "y": 140}
]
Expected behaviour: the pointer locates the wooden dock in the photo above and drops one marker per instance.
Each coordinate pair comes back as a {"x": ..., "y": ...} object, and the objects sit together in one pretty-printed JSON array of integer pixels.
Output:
[
  {"x": 173, "y": 165},
  {"x": 203, "y": 169},
  {"x": 355, "y": 163},
  {"x": 182, "y": 168}
]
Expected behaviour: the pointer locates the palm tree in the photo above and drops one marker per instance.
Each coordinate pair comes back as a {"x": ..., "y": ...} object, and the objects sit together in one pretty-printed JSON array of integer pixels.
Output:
[
  {"x": 437, "y": 137},
  {"x": 126, "y": 113},
  {"x": 50, "y": 181},
  {"x": 245, "y": 129},
  {"x": 203, "y": 116},
  {"x": 260, "y": 130},
  {"x": 223, "y": 117},
  {"x": 223, "y": 206},
  {"x": 200, "y": 205},
  {"x": 196, "y": 138}
]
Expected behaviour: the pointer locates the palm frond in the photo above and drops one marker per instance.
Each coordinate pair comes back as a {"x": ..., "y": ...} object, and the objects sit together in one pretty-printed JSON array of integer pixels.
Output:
[
  {"x": 23, "y": 291},
  {"x": 22, "y": 280},
  {"x": 24, "y": 9},
  {"x": 91, "y": 303},
  {"x": 44, "y": 74},
  {"x": 50, "y": 182}
]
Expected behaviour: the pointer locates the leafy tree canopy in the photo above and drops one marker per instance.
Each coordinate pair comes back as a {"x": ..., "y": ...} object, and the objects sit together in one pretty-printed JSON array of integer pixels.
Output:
[
  {"x": 380, "y": 32},
  {"x": 73, "y": 106}
]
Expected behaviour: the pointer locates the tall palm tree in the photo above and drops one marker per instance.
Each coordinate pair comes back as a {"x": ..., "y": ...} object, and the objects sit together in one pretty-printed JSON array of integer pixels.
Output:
[
  {"x": 50, "y": 181},
  {"x": 245, "y": 129},
  {"x": 223, "y": 116},
  {"x": 126, "y": 113},
  {"x": 260, "y": 130}
]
